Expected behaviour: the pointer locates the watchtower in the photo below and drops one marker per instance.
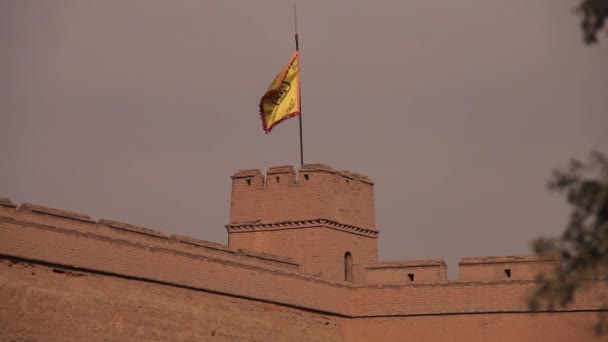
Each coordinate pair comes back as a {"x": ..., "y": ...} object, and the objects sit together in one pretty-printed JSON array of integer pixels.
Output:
[{"x": 323, "y": 219}]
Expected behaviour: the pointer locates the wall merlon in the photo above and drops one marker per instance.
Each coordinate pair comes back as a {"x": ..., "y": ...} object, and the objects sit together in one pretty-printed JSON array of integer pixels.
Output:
[
  {"x": 5, "y": 202},
  {"x": 366, "y": 179},
  {"x": 277, "y": 170},
  {"x": 317, "y": 168},
  {"x": 407, "y": 272},
  {"x": 309, "y": 168},
  {"x": 56, "y": 212},
  {"x": 247, "y": 174},
  {"x": 280, "y": 176},
  {"x": 356, "y": 176},
  {"x": 248, "y": 180},
  {"x": 133, "y": 229}
]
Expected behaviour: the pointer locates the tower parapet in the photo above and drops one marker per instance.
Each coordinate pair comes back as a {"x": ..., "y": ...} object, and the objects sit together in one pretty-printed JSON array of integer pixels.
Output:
[{"x": 319, "y": 192}]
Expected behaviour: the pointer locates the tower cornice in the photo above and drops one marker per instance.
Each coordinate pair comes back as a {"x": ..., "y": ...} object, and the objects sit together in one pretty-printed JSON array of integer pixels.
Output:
[{"x": 255, "y": 226}]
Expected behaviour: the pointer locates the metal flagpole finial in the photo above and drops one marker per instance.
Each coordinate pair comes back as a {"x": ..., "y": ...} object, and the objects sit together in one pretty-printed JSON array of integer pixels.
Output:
[{"x": 295, "y": 16}]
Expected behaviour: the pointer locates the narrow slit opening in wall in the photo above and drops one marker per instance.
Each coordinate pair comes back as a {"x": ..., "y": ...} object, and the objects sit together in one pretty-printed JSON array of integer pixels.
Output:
[
  {"x": 410, "y": 276},
  {"x": 249, "y": 182},
  {"x": 277, "y": 179},
  {"x": 306, "y": 177},
  {"x": 508, "y": 272},
  {"x": 348, "y": 266}
]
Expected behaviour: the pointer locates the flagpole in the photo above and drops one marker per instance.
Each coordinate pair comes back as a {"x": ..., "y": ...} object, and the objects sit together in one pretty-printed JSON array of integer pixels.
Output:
[{"x": 295, "y": 15}]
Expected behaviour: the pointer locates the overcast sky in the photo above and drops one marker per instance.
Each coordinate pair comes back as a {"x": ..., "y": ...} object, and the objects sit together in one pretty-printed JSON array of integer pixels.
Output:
[{"x": 140, "y": 110}]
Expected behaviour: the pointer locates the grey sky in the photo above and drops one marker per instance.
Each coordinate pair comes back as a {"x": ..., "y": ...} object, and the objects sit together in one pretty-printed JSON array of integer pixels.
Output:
[{"x": 140, "y": 110}]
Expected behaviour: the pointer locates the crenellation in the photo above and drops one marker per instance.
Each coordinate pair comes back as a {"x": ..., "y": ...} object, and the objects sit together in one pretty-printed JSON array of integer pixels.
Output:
[
  {"x": 320, "y": 192},
  {"x": 247, "y": 173},
  {"x": 255, "y": 179},
  {"x": 280, "y": 177},
  {"x": 317, "y": 168},
  {"x": 356, "y": 176},
  {"x": 279, "y": 170},
  {"x": 252, "y": 179}
]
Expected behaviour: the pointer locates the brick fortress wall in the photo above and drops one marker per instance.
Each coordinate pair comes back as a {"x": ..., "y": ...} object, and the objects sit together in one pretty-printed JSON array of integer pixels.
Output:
[{"x": 69, "y": 271}]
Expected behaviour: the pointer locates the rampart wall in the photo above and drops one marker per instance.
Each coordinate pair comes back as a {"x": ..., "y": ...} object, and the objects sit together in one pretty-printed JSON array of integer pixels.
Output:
[
  {"x": 122, "y": 267},
  {"x": 76, "y": 242}
]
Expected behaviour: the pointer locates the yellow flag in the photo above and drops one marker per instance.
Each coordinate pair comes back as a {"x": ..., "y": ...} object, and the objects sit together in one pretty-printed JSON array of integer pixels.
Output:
[{"x": 282, "y": 99}]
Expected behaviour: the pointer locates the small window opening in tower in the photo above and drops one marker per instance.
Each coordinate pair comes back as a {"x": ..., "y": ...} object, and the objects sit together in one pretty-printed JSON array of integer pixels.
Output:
[
  {"x": 277, "y": 179},
  {"x": 348, "y": 266},
  {"x": 508, "y": 272},
  {"x": 410, "y": 276},
  {"x": 306, "y": 177},
  {"x": 347, "y": 181},
  {"x": 249, "y": 182}
]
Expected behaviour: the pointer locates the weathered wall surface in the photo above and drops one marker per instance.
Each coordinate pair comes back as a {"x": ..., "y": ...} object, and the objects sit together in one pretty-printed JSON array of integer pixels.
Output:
[
  {"x": 456, "y": 297},
  {"x": 318, "y": 249},
  {"x": 364, "y": 251},
  {"x": 305, "y": 244},
  {"x": 32, "y": 235},
  {"x": 41, "y": 303},
  {"x": 521, "y": 327}
]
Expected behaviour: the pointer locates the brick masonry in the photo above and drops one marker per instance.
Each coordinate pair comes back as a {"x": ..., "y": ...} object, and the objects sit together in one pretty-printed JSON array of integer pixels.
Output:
[{"x": 65, "y": 276}]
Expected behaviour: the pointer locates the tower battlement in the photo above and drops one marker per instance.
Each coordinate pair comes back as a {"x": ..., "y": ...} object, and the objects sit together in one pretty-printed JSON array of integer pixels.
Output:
[{"x": 318, "y": 192}]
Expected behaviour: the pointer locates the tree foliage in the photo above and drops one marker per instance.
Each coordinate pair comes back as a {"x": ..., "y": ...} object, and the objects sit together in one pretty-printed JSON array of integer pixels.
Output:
[
  {"x": 595, "y": 15},
  {"x": 583, "y": 247}
]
